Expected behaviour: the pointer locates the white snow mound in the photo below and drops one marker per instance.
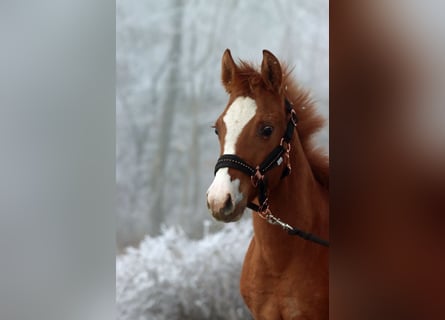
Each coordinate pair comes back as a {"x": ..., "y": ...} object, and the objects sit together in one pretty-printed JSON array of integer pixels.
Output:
[{"x": 173, "y": 277}]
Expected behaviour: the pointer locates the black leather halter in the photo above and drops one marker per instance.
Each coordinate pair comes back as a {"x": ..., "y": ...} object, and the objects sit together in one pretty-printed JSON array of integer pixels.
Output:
[
  {"x": 257, "y": 175},
  {"x": 274, "y": 159}
]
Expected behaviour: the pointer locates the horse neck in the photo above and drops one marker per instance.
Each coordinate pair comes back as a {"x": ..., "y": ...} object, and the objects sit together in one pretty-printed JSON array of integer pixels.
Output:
[{"x": 298, "y": 200}]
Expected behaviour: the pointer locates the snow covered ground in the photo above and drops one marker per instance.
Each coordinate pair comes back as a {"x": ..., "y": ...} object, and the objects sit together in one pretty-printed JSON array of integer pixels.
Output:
[{"x": 172, "y": 277}]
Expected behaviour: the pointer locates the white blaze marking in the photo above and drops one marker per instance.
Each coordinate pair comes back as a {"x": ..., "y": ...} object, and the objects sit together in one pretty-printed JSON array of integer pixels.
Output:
[{"x": 240, "y": 112}]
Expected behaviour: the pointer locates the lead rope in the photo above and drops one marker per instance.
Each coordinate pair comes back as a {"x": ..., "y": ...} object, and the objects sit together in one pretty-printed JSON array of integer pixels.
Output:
[
  {"x": 292, "y": 230},
  {"x": 264, "y": 212}
]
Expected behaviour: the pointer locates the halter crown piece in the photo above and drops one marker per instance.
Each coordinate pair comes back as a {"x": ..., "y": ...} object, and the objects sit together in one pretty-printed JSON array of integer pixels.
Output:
[{"x": 259, "y": 181}]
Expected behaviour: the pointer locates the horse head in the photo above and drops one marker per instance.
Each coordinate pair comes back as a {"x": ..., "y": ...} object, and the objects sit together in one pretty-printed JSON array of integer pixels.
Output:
[{"x": 250, "y": 128}]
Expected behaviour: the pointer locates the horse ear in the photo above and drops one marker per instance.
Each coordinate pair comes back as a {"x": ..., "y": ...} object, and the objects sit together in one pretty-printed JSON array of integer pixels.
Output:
[
  {"x": 228, "y": 70},
  {"x": 271, "y": 70}
]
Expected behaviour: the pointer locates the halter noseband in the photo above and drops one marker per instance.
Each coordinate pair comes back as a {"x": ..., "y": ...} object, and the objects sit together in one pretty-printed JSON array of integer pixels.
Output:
[{"x": 257, "y": 175}]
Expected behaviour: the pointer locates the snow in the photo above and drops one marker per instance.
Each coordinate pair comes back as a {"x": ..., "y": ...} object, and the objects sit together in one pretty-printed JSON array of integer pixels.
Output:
[{"x": 174, "y": 277}]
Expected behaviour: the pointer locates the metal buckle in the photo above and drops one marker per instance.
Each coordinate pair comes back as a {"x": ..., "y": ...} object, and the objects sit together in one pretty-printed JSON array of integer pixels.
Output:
[
  {"x": 293, "y": 117},
  {"x": 285, "y": 145},
  {"x": 265, "y": 214},
  {"x": 256, "y": 177},
  {"x": 264, "y": 206}
]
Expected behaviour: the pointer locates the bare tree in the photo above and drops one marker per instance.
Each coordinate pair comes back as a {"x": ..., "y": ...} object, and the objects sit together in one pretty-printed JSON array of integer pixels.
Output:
[{"x": 158, "y": 175}]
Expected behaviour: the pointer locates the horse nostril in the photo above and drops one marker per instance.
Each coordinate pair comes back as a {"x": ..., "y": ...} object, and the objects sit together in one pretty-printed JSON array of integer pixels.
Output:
[{"x": 228, "y": 203}]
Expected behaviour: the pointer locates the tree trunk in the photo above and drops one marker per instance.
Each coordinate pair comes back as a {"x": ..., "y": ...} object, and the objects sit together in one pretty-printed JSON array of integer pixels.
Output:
[{"x": 158, "y": 175}]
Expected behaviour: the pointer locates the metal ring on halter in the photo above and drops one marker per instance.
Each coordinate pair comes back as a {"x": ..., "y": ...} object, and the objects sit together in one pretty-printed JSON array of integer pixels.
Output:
[
  {"x": 257, "y": 176},
  {"x": 285, "y": 145}
]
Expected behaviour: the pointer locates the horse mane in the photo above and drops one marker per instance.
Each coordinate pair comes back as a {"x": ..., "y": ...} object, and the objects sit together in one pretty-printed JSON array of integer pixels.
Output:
[{"x": 309, "y": 121}]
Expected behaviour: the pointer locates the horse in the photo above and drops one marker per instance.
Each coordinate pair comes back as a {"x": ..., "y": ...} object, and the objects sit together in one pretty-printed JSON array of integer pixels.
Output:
[{"x": 269, "y": 164}]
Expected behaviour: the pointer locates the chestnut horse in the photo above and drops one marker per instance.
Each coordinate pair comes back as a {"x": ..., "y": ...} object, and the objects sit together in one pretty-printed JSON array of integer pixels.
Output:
[{"x": 264, "y": 132}]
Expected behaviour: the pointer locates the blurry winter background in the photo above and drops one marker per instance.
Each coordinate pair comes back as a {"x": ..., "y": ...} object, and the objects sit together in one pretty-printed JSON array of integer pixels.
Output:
[{"x": 174, "y": 262}]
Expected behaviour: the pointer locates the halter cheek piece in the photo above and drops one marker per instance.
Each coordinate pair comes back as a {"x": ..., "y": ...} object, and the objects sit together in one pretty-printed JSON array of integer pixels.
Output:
[{"x": 257, "y": 175}]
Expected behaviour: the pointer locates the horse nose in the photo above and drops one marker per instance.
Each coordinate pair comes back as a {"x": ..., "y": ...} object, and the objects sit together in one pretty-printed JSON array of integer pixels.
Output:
[
  {"x": 228, "y": 205},
  {"x": 220, "y": 209}
]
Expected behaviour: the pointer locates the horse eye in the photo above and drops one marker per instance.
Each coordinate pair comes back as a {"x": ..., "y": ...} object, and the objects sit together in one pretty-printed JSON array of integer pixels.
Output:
[
  {"x": 266, "y": 131},
  {"x": 216, "y": 130}
]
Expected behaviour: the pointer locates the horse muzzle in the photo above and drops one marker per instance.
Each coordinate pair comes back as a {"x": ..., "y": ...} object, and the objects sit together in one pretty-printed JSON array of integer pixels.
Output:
[
  {"x": 224, "y": 199},
  {"x": 225, "y": 211}
]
